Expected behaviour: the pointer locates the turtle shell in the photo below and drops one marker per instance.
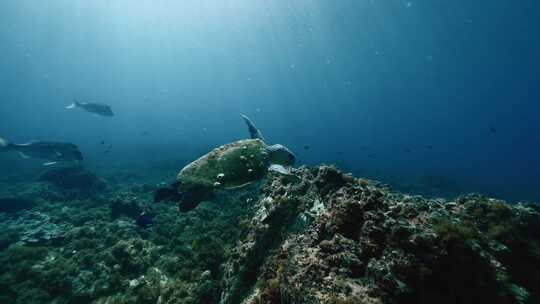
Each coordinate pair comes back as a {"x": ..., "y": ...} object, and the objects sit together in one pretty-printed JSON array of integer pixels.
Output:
[{"x": 231, "y": 165}]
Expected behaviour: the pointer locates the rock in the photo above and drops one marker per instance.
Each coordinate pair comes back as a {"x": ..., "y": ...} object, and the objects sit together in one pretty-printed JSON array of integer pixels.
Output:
[
  {"x": 134, "y": 255},
  {"x": 366, "y": 244},
  {"x": 127, "y": 205},
  {"x": 72, "y": 177},
  {"x": 36, "y": 228},
  {"x": 92, "y": 284},
  {"x": 14, "y": 204}
]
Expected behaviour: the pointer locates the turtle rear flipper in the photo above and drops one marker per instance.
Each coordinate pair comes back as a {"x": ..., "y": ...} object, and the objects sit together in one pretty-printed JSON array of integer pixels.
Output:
[
  {"x": 285, "y": 172},
  {"x": 254, "y": 133}
]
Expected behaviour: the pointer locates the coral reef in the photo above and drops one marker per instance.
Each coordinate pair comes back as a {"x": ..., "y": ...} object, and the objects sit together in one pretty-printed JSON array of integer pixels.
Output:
[
  {"x": 322, "y": 237},
  {"x": 364, "y": 244},
  {"x": 72, "y": 177},
  {"x": 126, "y": 204}
]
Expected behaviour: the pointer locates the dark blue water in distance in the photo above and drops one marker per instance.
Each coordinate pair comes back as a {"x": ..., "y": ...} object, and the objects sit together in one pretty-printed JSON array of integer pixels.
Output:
[{"x": 416, "y": 94}]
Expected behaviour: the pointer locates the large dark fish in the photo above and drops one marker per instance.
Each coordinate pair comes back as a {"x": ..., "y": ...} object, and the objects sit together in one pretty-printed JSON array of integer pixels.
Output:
[
  {"x": 52, "y": 152},
  {"x": 95, "y": 108}
]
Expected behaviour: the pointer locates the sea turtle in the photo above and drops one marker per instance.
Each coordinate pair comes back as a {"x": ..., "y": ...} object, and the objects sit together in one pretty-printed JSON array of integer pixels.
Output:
[{"x": 230, "y": 166}]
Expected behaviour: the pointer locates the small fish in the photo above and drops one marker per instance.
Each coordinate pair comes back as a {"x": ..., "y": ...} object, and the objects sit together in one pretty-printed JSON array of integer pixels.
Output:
[
  {"x": 145, "y": 133},
  {"x": 53, "y": 152},
  {"x": 306, "y": 147},
  {"x": 102, "y": 142},
  {"x": 144, "y": 220},
  {"x": 95, "y": 108},
  {"x": 492, "y": 130}
]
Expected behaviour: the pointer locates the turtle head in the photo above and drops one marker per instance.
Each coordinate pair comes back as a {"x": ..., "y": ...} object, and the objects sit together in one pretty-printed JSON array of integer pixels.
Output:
[{"x": 281, "y": 155}]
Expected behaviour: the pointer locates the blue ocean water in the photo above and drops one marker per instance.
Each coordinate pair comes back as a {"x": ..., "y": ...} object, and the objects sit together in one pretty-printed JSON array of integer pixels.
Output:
[{"x": 422, "y": 95}]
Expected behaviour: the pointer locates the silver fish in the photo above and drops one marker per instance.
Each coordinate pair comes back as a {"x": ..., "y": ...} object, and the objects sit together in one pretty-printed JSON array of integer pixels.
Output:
[
  {"x": 96, "y": 108},
  {"x": 53, "y": 152}
]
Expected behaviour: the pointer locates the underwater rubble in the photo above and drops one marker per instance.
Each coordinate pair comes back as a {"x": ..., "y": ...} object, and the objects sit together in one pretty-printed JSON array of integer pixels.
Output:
[{"x": 324, "y": 237}]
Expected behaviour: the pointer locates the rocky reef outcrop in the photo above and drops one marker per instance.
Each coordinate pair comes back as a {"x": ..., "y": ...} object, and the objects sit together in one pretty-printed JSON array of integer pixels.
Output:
[
  {"x": 11, "y": 204},
  {"x": 323, "y": 237},
  {"x": 72, "y": 177},
  {"x": 333, "y": 238}
]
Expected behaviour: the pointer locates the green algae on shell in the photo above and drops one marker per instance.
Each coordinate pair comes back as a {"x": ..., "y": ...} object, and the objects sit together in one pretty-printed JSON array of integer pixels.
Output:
[{"x": 229, "y": 166}]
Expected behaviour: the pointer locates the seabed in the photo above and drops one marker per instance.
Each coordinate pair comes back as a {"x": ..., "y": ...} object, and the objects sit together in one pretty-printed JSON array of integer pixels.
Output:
[{"x": 69, "y": 236}]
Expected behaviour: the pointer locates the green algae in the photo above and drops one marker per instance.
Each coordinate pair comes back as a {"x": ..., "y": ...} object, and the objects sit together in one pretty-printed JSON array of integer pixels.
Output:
[{"x": 105, "y": 257}]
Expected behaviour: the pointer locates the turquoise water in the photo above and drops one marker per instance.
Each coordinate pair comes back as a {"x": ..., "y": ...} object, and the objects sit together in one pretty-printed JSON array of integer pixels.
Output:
[{"x": 434, "y": 97}]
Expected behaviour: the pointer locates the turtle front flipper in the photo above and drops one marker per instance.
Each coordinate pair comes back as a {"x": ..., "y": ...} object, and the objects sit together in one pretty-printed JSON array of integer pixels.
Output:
[
  {"x": 281, "y": 155},
  {"x": 186, "y": 200},
  {"x": 167, "y": 194},
  {"x": 193, "y": 197}
]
